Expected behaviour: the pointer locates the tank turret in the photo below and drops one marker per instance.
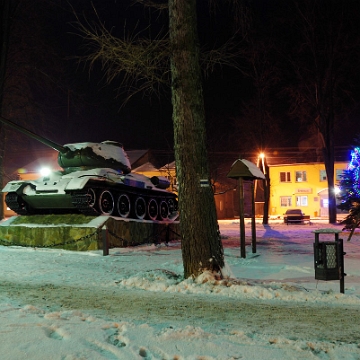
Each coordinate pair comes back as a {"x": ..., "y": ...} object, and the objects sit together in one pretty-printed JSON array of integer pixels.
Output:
[{"x": 96, "y": 179}]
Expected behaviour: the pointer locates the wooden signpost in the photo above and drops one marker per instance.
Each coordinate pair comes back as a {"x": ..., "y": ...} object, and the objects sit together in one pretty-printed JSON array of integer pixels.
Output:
[{"x": 242, "y": 170}]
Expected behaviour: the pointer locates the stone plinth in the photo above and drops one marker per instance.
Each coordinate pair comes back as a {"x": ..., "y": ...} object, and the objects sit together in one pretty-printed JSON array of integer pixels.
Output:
[{"x": 83, "y": 233}]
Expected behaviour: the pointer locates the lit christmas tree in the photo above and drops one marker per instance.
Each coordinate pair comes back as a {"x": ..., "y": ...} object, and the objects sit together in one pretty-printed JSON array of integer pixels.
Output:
[{"x": 349, "y": 195}]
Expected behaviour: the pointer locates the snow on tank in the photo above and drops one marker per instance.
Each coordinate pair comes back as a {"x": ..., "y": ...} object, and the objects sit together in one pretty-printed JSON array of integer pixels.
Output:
[{"x": 109, "y": 154}]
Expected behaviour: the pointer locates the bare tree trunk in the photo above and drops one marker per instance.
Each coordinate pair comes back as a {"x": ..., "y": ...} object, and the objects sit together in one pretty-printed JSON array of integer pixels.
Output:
[
  {"x": 4, "y": 41},
  {"x": 329, "y": 165},
  {"x": 329, "y": 160},
  {"x": 266, "y": 199},
  {"x": 201, "y": 243}
]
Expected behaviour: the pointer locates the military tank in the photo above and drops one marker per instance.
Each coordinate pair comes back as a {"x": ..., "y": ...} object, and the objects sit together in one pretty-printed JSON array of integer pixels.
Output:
[{"x": 96, "y": 180}]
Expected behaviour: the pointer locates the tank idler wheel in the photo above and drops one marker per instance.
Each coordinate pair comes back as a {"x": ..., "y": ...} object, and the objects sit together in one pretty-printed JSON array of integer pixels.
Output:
[
  {"x": 153, "y": 209},
  {"x": 123, "y": 206},
  {"x": 164, "y": 210},
  {"x": 91, "y": 196},
  {"x": 106, "y": 202},
  {"x": 140, "y": 208}
]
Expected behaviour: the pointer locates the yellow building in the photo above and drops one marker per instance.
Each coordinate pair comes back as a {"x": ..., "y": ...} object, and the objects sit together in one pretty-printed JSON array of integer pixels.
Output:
[{"x": 302, "y": 186}]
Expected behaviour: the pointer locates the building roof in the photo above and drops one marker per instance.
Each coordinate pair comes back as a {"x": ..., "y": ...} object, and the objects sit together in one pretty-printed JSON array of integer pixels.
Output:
[
  {"x": 245, "y": 169},
  {"x": 145, "y": 167},
  {"x": 135, "y": 155},
  {"x": 170, "y": 166}
]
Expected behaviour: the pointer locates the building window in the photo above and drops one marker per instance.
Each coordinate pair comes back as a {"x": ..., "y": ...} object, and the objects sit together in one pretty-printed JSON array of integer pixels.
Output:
[
  {"x": 285, "y": 201},
  {"x": 301, "y": 201},
  {"x": 339, "y": 174},
  {"x": 300, "y": 176},
  {"x": 285, "y": 176},
  {"x": 323, "y": 176}
]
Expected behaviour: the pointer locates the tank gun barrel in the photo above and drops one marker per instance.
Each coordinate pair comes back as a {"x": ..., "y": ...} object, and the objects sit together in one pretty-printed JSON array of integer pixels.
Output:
[{"x": 29, "y": 133}]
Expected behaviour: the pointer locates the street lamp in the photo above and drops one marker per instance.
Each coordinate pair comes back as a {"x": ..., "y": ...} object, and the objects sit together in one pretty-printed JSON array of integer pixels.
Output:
[{"x": 261, "y": 159}]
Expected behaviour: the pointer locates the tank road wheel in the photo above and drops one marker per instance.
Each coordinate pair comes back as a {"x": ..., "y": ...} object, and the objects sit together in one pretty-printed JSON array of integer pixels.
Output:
[
  {"x": 140, "y": 208},
  {"x": 171, "y": 204},
  {"x": 153, "y": 209},
  {"x": 106, "y": 202},
  {"x": 123, "y": 206},
  {"x": 164, "y": 210},
  {"x": 91, "y": 196}
]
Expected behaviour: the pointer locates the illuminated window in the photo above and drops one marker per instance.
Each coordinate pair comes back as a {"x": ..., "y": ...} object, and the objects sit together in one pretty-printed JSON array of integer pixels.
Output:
[
  {"x": 300, "y": 176},
  {"x": 285, "y": 201},
  {"x": 302, "y": 200},
  {"x": 285, "y": 176},
  {"x": 323, "y": 176}
]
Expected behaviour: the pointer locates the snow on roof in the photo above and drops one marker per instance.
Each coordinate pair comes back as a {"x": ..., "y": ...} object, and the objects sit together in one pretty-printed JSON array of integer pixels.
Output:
[
  {"x": 245, "y": 169},
  {"x": 145, "y": 167}
]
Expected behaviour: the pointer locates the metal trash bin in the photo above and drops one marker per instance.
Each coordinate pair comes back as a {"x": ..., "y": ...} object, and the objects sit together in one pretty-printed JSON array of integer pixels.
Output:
[{"x": 329, "y": 257}]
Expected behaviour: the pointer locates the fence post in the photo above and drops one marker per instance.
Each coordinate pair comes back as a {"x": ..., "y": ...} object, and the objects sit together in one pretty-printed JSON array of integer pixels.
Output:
[{"x": 104, "y": 234}]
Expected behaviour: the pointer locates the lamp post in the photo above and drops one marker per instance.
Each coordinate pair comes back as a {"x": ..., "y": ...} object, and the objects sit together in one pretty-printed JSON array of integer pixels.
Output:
[{"x": 262, "y": 165}]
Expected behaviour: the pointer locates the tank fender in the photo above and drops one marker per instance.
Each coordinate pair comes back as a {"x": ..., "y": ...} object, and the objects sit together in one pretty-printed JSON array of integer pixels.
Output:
[
  {"x": 160, "y": 182},
  {"x": 77, "y": 183},
  {"x": 14, "y": 186}
]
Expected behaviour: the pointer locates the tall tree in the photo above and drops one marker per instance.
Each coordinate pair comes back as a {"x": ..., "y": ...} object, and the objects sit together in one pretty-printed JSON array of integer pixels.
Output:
[
  {"x": 201, "y": 243},
  {"x": 146, "y": 63},
  {"x": 322, "y": 59},
  {"x": 5, "y": 12},
  {"x": 259, "y": 126}
]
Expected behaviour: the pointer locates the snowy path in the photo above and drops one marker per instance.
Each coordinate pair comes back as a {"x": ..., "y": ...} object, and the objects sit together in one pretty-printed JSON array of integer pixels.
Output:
[
  {"x": 297, "y": 321},
  {"x": 135, "y": 304}
]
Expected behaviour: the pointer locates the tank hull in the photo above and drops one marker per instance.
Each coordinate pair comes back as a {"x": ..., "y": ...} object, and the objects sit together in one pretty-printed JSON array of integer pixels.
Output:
[{"x": 93, "y": 192}]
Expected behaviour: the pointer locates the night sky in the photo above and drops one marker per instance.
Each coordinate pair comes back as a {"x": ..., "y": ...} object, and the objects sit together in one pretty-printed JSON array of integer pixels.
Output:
[{"x": 53, "y": 94}]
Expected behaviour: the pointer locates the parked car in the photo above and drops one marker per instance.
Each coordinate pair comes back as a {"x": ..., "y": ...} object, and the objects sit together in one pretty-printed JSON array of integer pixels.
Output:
[{"x": 295, "y": 216}]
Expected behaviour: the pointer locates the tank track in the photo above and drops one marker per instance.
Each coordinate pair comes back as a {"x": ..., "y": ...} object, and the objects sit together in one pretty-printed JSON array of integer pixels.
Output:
[
  {"x": 80, "y": 200},
  {"x": 15, "y": 203}
]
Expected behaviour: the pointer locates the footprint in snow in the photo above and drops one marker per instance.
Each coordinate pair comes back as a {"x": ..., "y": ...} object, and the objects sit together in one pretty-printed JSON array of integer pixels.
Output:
[{"x": 55, "y": 333}]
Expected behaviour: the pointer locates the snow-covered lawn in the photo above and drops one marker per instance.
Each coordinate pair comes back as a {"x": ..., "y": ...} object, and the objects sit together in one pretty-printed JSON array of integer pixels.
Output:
[{"x": 135, "y": 304}]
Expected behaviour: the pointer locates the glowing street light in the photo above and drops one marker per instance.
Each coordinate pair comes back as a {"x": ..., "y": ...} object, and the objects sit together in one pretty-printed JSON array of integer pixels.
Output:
[{"x": 45, "y": 171}]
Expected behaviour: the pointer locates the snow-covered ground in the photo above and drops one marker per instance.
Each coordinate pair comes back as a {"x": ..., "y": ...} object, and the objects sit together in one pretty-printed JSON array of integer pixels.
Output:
[{"x": 135, "y": 304}]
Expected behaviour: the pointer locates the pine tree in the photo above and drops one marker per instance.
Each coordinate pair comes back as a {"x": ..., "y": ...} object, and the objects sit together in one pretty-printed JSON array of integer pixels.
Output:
[{"x": 349, "y": 195}]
